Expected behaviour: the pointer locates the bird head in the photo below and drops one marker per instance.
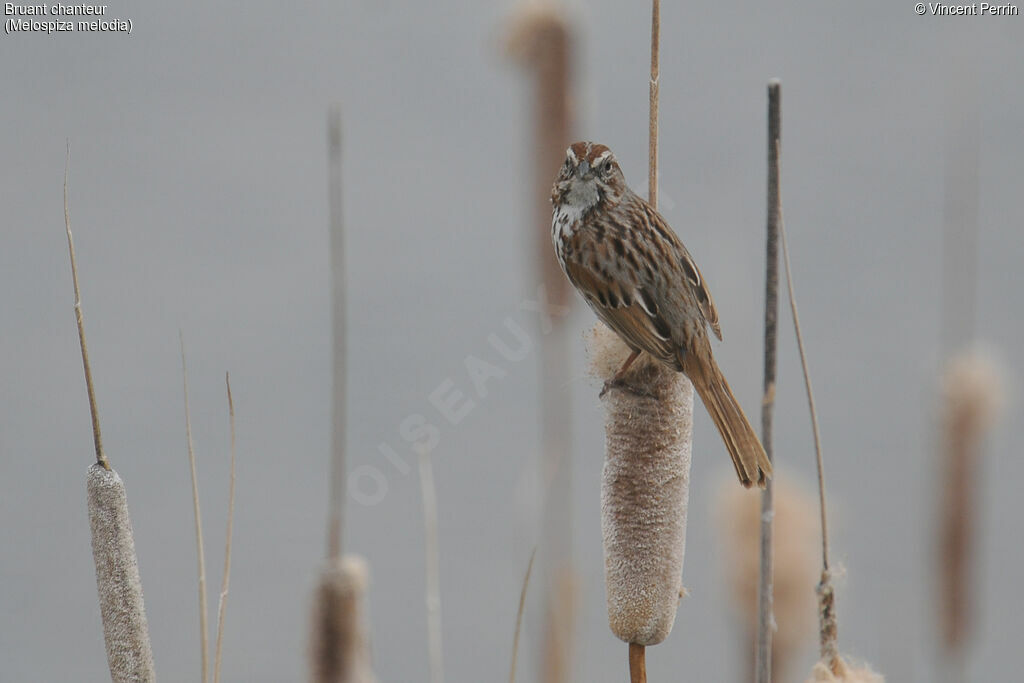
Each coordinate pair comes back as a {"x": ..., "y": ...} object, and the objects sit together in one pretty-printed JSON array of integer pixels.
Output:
[{"x": 589, "y": 176}]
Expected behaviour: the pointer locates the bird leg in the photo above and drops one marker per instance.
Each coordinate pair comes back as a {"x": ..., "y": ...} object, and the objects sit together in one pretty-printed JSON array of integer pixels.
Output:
[{"x": 617, "y": 382}]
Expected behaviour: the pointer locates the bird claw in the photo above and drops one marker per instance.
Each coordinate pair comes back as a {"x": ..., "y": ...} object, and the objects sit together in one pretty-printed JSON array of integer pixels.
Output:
[{"x": 616, "y": 383}]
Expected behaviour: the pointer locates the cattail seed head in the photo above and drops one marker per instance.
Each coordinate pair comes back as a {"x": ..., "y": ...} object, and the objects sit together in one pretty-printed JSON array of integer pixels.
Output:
[
  {"x": 644, "y": 490},
  {"x": 125, "y": 630}
]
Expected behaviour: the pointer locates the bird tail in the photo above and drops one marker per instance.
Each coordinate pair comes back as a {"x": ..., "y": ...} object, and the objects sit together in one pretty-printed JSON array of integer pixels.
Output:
[{"x": 748, "y": 456}]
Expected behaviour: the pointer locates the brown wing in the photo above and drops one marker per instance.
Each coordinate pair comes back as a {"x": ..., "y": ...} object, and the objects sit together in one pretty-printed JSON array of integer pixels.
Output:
[
  {"x": 692, "y": 273},
  {"x": 632, "y": 314}
]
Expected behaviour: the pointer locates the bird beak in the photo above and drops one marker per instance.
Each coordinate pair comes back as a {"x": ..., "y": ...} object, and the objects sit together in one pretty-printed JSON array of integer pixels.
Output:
[{"x": 582, "y": 169}]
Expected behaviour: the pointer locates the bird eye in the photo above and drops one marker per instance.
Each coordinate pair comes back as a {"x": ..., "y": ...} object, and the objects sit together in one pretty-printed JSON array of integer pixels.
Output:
[{"x": 607, "y": 168}]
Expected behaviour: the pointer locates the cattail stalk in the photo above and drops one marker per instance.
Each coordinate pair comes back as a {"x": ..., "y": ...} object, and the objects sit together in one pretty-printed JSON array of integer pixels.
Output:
[
  {"x": 94, "y": 413},
  {"x": 339, "y": 648},
  {"x": 652, "y": 115},
  {"x": 122, "y": 608},
  {"x": 637, "y": 664},
  {"x": 222, "y": 603},
  {"x": 766, "y": 617}
]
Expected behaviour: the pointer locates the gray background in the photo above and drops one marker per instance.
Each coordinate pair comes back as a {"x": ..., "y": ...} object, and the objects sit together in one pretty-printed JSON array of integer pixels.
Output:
[{"x": 198, "y": 199}]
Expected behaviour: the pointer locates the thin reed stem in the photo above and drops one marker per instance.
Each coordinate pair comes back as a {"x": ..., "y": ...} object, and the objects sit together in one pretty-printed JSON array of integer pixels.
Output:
[
  {"x": 766, "y": 616},
  {"x": 433, "y": 574},
  {"x": 203, "y": 630},
  {"x": 519, "y": 616},
  {"x": 828, "y": 621},
  {"x": 810, "y": 395},
  {"x": 335, "y": 524},
  {"x": 94, "y": 412},
  {"x": 223, "y": 601}
]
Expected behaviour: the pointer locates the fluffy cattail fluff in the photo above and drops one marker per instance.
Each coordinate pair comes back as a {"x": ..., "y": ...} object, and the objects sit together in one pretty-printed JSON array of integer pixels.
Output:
[
  {"x": 340, "y": 648},
  {"x": 644, "y": 490},
  {"x": 797, "y": 549},
  {"x": 972, "y": 398},
  {"x": 841, "y": 672},
  {"x": 125, "y": 630}
]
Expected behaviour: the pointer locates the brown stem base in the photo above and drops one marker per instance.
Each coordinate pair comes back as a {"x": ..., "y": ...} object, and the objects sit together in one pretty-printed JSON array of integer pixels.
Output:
[{"x": 637, "y": 664}]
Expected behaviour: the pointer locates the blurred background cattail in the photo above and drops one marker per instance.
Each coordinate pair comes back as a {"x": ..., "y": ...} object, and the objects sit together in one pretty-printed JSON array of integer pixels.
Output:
[
  {"x": 340, "y": 647},
  {"x": 796, "y": 548},
  {"x": 971, "y": 382},
  {"x": 539, "y": 38},
  {"x": 972, "y": 397}
]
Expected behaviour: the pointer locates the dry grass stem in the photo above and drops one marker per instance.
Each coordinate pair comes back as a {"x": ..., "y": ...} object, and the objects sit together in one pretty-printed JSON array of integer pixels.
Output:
[
  {"x": 432, "y": 563},
  {"x": 644, "y": 489},
  {"x": 827, "y": 621},
  {"x": 971, "y": 401},
  {"x": 637, "y": 663},
  {"x": 519, "y": 616},
  {"x": 828, "y": 625},
  {"x": 340, "y": 647},
  {"x": 101, "y": 458},
  {"x": 810, "y": 396},
  {"x": 125, "y": 630},
  {"x": 204, "y": 635},
  {"x": 335, "y": 524},
  {"x": 222, "y": 603}
]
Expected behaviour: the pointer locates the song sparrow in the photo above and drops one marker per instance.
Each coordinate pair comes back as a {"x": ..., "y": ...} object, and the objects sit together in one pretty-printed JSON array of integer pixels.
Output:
[{"x": 624, "y": 259}]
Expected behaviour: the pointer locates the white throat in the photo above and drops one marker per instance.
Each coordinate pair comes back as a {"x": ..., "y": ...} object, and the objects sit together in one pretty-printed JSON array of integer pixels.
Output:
[{"x": 582, "y": 195}]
